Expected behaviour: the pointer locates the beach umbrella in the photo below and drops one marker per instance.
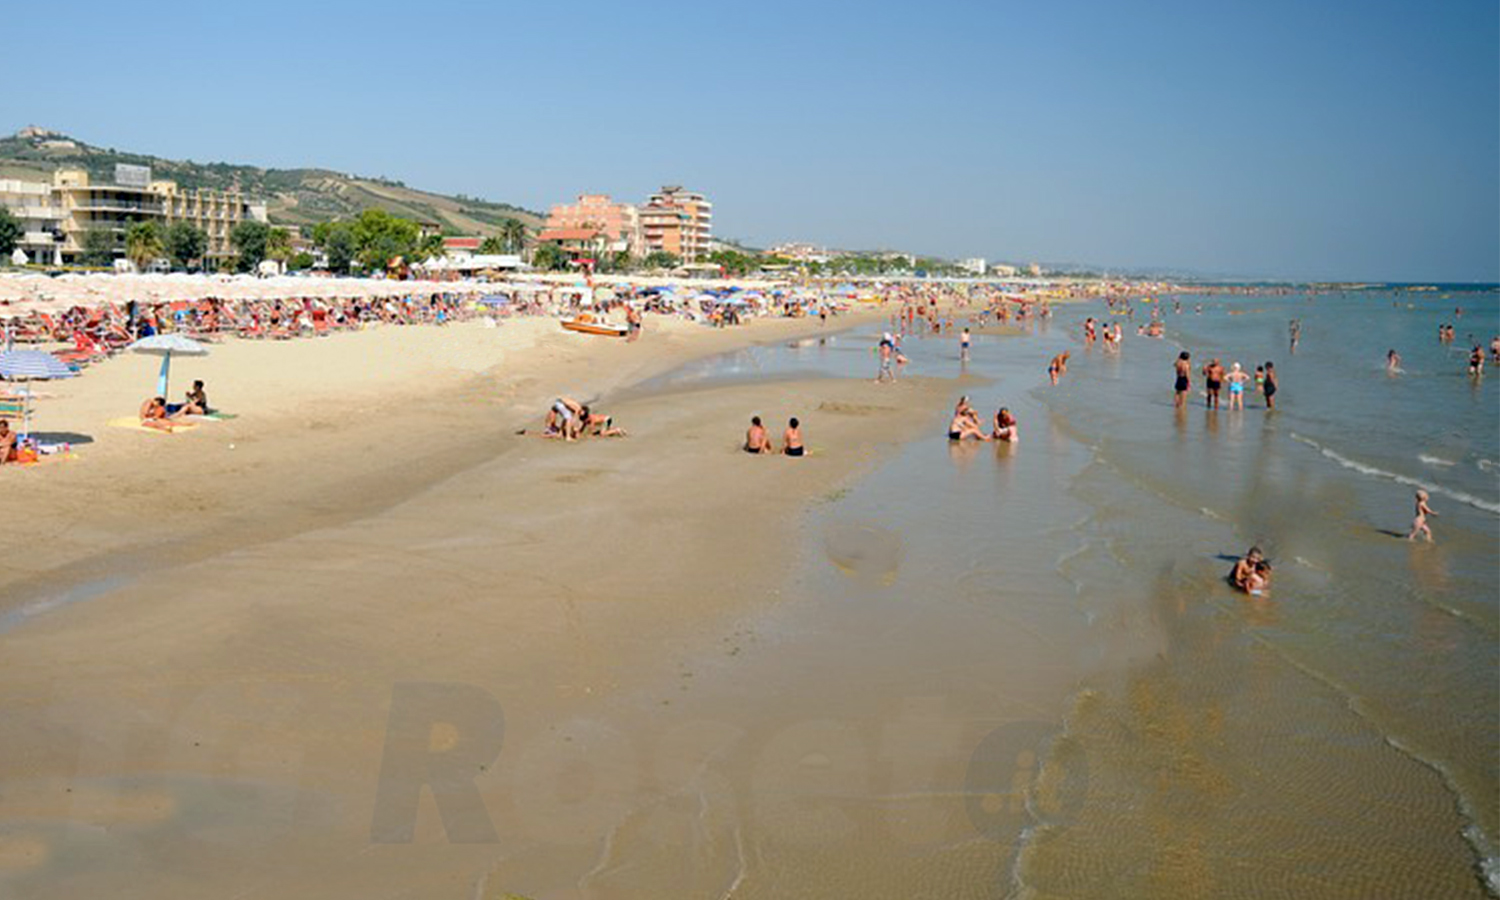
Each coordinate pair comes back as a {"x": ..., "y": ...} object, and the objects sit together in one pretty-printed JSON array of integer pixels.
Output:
[
  {"x": 166, "y": 346},
  {"x": 31, "y": 365}
]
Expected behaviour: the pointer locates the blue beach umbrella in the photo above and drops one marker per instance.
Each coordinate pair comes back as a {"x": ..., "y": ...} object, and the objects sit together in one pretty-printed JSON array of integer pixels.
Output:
[
  {"x": 166, "y": 346},
  {"x": 31, "y": 365}
]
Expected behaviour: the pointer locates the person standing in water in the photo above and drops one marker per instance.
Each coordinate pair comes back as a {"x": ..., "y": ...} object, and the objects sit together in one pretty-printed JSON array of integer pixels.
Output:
[
  {"x": 1476, "y": 362},
  {"x": 1393, "y": 362},
  {"x": 1419, "y": 523},
  {"x": 1270, "y": 387},
  {"x": 1183, "y": 382},
  {"x": 1213, "y": 379},
  {"x": 963, "y": 345},
  {"x": 1237, "y": 379}
]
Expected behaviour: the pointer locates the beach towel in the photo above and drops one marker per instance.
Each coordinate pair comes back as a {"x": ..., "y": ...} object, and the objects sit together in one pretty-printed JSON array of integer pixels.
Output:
[{"x": 133, "y": 423}]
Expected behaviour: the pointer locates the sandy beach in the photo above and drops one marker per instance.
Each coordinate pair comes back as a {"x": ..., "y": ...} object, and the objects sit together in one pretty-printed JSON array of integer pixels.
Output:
[{"x": 234, "y": 604}]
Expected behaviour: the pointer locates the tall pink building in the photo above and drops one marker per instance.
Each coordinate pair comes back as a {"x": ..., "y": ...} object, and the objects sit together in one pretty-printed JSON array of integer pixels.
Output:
[{"x": 620, "y": 222}]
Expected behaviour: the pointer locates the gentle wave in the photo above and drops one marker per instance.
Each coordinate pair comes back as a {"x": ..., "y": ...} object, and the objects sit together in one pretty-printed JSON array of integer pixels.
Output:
[
  {"x": 1435, "y": 460},
  {"x": 1364, "y": 469}
]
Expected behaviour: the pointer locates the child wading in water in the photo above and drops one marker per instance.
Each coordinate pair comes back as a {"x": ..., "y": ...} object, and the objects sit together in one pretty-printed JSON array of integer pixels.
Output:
[{"x": 1419, "y": 524}]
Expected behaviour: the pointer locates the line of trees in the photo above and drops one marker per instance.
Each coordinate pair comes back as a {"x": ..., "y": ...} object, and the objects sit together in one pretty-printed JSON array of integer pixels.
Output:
[{"x": 375, "y": 240}]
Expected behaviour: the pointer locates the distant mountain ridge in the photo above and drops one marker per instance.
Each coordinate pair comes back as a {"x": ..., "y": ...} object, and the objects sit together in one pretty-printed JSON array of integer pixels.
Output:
[{"x": 300, "y": 197}]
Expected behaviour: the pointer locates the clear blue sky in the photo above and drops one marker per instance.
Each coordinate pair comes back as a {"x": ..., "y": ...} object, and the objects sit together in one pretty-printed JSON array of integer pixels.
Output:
[{"x": 1354, "y": 140}]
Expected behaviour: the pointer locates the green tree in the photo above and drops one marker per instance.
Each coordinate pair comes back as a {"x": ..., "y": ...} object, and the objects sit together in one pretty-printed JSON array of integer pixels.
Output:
[
  {"x": 250, "y": 240},
  {"x": 98, "y": 247},
  {"x": 10, "y": 234},
  {"x": 381, "y": 237},
  {"x": 300, "y": 262},
  {"x": 660, "y": 259},
  {"x": 513, "y": 234},
  {"x": 623, "y": 261},
  {"x": 279, "y": 245},
  {"x": 430, "y": 247},
  {"x": 549, "y": 257},
  {"x": 336, "y": 240},
  {"x": 494, "y": 244},
  {"x": 143, "y": 244},
  {"x": 186, "y": 243}
]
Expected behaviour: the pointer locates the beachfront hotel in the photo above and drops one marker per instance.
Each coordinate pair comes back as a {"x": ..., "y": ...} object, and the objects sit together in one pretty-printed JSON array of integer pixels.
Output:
[
  {"x": 56, "y": 216},
  {"x": 679, "y": 222}
]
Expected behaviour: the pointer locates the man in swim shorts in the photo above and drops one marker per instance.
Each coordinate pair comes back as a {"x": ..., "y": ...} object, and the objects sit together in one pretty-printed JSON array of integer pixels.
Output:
[
  {"x": 791, "y": 439},
  {"x": 1183, "y": 382},
  {"x": 1213, "y": 379}
]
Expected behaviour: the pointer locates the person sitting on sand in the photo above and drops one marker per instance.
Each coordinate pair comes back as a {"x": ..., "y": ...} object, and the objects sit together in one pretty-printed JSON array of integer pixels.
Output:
[
  {"x": 7, "y": 442},
  {"x": 1252, "y": 574},
  {"x": 1005, "y": 426},
  {"x": 756, "y": 439},
  {"x": 197, "y": 400},
  {"x": 791, "y": 439},
  {"x": 154, "y": 415}
]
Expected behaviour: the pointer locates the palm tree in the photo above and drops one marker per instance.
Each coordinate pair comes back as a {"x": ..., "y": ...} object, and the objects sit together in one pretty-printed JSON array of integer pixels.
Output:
[
  {"x": 513, "y": 232},
  {"x": 143, "y": 244},
  {"x": 279, "y": 245}
]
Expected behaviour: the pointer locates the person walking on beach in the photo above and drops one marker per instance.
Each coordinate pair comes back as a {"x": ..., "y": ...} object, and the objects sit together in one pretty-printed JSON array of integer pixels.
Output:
[
  {"x": 791, "y": 439},
  {"x": 1213, "y": 380},
  {"x": 963, "y": 345},
  {"x": 887, "y": 350},
  {"x": 756, "y": 439},
  {"x": 1184, "y": 380},
  {"x": 1419, "y": 523},
  {"x": 1270, "y": 387}
]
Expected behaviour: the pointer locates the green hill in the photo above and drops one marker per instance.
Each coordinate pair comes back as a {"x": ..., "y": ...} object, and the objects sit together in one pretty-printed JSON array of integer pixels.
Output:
[{"x": 301, "y": 197}]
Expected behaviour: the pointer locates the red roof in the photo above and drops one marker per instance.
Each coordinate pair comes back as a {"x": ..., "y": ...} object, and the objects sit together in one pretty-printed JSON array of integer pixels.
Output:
[{"x": 461, "y": 243}]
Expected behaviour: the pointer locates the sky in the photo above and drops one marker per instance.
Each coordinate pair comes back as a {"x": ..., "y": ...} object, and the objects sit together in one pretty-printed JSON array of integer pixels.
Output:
[{"x": 1302, "y": 140}]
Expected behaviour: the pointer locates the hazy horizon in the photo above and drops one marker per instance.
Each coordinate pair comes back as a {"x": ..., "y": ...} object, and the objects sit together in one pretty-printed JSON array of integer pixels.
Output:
[{"x": 1283, "y": 141}]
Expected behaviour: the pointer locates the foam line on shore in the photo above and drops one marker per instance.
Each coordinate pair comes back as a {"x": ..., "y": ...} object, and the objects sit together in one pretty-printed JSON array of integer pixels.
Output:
[{"x": 1374, "y": 471}]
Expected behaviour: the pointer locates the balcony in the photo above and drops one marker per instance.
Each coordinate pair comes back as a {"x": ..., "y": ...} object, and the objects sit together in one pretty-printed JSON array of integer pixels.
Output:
[{"x": 118, "y": 206}]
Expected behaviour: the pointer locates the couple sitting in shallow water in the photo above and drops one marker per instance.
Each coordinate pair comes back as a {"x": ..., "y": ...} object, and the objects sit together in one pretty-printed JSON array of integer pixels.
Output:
[
  {"x": 1252, "y": 574},
  {"x": 570, "y": 420},
  {"x": 758, "y": 442},
  {"x": 965, "y": 424}
]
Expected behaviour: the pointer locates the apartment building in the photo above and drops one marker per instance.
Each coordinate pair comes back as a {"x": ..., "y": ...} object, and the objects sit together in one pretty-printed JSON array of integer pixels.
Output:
[
  {"x": 620, "y": 223},
  {"x": 56, "y": 216},
  {"x": 679, "y": 222},
  {"x": 41, "y": 218}
]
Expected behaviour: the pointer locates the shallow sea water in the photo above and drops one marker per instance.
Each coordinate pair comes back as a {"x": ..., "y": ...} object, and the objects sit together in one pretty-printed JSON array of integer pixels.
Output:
[{"x": 1016, "y": 671}]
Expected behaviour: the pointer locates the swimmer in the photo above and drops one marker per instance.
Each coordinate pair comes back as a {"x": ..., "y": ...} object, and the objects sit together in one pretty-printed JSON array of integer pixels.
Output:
[
  {"x": 1419, "y": 523},
  {"x": 1392, "y": 362}
]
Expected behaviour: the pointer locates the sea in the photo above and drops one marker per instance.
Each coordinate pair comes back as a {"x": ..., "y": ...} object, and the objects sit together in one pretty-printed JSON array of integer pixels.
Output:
[{"x": 1017, "y": 670}]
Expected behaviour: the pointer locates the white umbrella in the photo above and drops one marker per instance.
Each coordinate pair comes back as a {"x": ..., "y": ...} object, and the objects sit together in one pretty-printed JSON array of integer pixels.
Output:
[
  {"x": 166, "y": 346},
  {"x": 31, "y": 365}
]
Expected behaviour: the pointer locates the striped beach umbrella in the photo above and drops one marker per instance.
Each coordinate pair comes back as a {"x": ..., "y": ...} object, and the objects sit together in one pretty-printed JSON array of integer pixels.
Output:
[{"x": 31, "y": 365}]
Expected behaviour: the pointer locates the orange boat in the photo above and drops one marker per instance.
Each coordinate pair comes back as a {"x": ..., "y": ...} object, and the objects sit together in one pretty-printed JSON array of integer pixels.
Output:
[{"x": 585, "y": 324}]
